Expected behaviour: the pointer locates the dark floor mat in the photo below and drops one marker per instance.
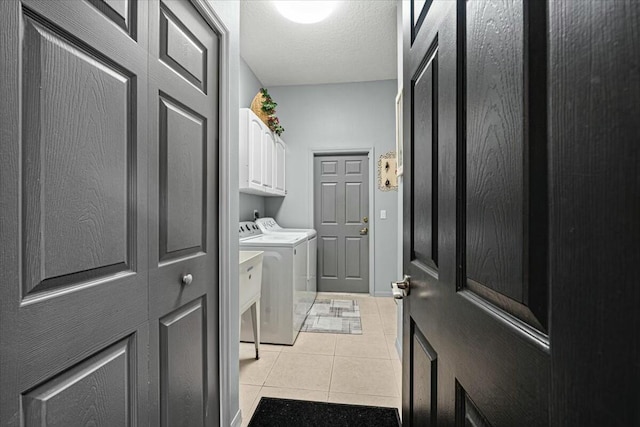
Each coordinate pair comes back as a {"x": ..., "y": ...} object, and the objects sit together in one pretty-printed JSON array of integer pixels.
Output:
[{"x": 301, "y": 413}]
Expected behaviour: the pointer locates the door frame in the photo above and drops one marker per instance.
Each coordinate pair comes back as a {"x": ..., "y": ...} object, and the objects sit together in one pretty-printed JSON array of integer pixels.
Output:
[
  {"x": 227, "y": 237},
  {"x": 370, "y": 153}
]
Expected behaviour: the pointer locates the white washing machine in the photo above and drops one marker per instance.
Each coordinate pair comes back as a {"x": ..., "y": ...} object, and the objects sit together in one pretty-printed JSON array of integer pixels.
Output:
[
  {"x": 284, "y": 300},
  {"x": 270, "y": 226}
]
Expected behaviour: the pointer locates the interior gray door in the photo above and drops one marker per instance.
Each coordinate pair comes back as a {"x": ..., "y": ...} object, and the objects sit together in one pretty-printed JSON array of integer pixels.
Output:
[
  {"x": 476, "y": 329},
  {"x": 108, "y": 214},
  {"x": 73, "y": 204},
  {"x": 341, "y": 207},
  {"x": 183, "y": 216}
]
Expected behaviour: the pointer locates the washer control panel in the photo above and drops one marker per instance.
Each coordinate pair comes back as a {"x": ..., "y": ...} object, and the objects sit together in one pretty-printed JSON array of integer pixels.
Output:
[
  {"x": 248, "y": 229},
  {"x": 268, "y": 224}
]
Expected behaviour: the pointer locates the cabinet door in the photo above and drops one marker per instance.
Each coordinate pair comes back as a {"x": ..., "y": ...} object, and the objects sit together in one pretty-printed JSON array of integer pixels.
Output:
[
  {"x": 279, "y": 168},
  {"x": 256, "y": 132},
  {"x": 267, "y": 175}
]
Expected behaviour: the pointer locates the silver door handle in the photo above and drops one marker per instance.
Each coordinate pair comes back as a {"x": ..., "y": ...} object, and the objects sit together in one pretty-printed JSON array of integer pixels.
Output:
[
  {"x": 187, "y": 279},
  {"x": 400, "y": 289},
  {"x": 364, "y": 231}
]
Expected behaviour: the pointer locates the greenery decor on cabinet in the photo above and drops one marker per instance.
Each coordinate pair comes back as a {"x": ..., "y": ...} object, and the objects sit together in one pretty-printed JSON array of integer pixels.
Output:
[{"x": 265, "y": 107}]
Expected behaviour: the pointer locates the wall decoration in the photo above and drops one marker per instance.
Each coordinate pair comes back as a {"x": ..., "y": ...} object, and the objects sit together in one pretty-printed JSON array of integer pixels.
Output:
[
  {"x": 399, "y": 134},
  {"x": 387, "y": 178},
  {"x": 265, "y": 108}
]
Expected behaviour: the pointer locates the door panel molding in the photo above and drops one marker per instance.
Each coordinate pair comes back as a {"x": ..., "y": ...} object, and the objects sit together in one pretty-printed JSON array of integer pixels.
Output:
[
  {"x": 423, "y": 378},
  {"x": 424, "y": 151},
  {"x": 352, "y": 266},
  {"x": 124, "y": 16},
  {"x": 503, "y": 225},
  {"x": 419, "y": 9},
  {"x": 329, "y": 168},
  {"x": 328, "y": 203},
  {"x": 96, "y": 145},
  {"x": 186, "y": 56},
  {"x": 103, "y": 387},
  {"x": 183, "y": 205},
  {"x": 467, "y": 413},
  {"x": 183, "y": 365},
  {"x": 353, "y": 197}
]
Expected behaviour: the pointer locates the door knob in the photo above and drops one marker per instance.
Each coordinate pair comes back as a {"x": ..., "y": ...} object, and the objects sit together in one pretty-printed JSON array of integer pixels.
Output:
[
  {"x": 400, "y": 289},
  {"x": 187, "y": 279},
  {"x": 364, "y": 231},
  {"x": 365, "y": 219}
]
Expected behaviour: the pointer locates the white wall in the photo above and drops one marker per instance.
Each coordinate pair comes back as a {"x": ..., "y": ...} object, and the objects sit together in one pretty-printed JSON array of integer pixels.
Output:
[
  {"x": 229, "y": 13},
  {"x": 249, "y": 86},
  {"x": 249, "y": 203},
  {"x": 347, "y": 115}
]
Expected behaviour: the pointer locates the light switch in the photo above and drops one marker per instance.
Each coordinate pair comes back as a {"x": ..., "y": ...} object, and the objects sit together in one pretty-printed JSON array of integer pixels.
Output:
[{"x": 383, "y": 214}]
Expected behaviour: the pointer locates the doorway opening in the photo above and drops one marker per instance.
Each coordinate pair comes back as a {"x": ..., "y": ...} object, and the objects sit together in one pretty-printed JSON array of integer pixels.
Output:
[{"x": 363, "y": 368}]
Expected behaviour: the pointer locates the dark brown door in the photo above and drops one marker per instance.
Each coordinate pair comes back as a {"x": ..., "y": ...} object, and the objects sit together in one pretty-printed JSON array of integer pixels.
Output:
[
  {"x": 108, "y": 199},
  {"x": 183, "y": 216},
  {"x": 476, "y": 344},
  {"x": 341, "y": 207}
]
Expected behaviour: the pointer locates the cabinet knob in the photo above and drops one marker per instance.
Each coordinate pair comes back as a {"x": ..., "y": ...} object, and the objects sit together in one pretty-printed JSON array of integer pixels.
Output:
[{"x": 187, "y": 279}]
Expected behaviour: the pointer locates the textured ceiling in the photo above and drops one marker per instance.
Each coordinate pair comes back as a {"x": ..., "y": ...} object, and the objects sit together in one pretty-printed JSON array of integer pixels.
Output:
[{"x": 357, "y": 42}]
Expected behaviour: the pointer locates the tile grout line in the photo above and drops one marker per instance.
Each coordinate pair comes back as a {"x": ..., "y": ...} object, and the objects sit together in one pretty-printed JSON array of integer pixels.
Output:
[
  {"x": 271, "y": 369},
  {"x": 333, "y": 363}
]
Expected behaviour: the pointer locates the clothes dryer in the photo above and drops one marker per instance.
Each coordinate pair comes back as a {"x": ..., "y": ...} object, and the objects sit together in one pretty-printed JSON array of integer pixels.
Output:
[
  {"x": 270, "y": 226},
  {"x": 284, "y": 296}
]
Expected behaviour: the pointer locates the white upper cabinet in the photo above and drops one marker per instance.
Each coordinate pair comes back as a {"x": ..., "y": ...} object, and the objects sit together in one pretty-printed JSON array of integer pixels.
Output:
[
  {"x": 254, "y": 158},
  {"x": 262, "y": 157},
  {"x": 280, "y": 163},
  {"x": 268, "y": 166}
]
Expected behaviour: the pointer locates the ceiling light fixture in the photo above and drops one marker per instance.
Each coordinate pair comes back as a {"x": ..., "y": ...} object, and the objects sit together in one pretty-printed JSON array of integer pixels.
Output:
[{"x": 306, "y": 11}]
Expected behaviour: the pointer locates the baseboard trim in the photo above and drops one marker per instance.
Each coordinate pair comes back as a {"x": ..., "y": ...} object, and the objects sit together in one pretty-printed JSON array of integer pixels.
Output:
[
  {"x": 382, "y": 294},
  {"x": 237, "y": 420}
]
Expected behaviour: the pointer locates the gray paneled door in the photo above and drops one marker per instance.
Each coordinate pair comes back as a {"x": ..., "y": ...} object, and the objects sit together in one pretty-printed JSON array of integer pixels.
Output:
[
  {"x": 183, "y": 224},
  {"x": 107, "y": 200},
  {"x": 341, "y": 209}
]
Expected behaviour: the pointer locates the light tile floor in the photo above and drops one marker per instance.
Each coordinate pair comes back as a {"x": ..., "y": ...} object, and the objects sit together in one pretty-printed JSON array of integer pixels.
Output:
[{"x": 356, "y": 369}]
